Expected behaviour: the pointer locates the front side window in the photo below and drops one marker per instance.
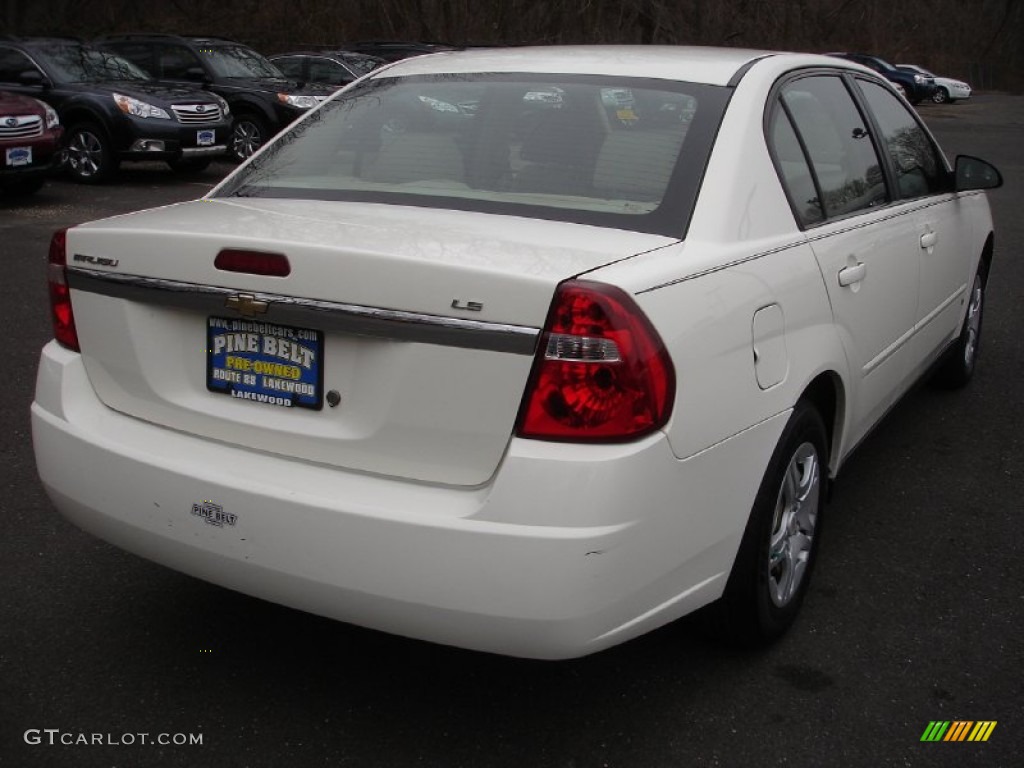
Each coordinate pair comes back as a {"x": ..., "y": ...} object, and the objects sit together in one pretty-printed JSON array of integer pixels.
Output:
[
  {"x": 919, "y": 168},
  {"x": 12, "y": 64},
  {"x": 838, "y": 143},
  {"x": 176, "y": 61},
  {"x": 291, "y": 66},
  {"x": 330, "y": 72},
  {"x": 139, "y": 54},
  {"x": 606, "y": 151},
  {"x": 361, "y": 65}
]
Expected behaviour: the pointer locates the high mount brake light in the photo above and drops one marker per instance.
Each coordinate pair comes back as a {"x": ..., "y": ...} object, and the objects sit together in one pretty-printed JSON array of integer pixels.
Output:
[
  {"x": 253, "y": 262},
  {"x": 60, "y": 295},
  {"x": 602, "y": 373}
]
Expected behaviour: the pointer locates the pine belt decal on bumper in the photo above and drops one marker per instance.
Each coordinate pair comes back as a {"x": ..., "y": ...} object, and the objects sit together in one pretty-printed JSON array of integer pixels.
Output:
[{"x": 213, "y": 514}]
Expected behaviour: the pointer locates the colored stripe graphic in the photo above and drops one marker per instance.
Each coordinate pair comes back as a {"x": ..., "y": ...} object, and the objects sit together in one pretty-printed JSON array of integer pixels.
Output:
[
  {"x": 958, "y": 730},
  {"x": 982, "y": 730},
  {"x": 935, "y": 730}
]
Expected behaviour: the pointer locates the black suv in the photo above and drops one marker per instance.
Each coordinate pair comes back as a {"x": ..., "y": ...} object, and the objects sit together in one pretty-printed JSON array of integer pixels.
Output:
[
  {"x": 913, "y": 86},
  {"x": 262, "y": 99},
  {"x": 113, "y": 111}
]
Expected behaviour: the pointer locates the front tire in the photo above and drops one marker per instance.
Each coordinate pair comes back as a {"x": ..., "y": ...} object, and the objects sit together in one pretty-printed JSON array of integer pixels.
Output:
[
  {"x": 962, "y": 358},
  {"x": 248, "y": 134},
  {"x": 772, "y": 571},
  {"x": 90, "y": 157}
]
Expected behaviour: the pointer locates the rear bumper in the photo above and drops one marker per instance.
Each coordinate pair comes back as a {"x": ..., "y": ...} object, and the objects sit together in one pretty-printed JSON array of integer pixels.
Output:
[{"x": 566, "y": 551}]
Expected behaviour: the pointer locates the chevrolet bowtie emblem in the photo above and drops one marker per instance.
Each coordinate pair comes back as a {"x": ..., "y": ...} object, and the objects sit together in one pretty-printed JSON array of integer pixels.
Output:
[{"x": 246, "y": 304}]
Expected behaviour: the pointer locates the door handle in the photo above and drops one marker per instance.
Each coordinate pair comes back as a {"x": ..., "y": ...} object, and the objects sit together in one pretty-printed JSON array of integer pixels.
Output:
[
  {"x": 929, "y": 239},
  {"x": 854, "y": 274}
]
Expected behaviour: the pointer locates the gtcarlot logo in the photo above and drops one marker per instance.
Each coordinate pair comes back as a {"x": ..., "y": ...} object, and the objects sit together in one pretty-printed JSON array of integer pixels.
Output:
[{"x": 55, "y": 736}]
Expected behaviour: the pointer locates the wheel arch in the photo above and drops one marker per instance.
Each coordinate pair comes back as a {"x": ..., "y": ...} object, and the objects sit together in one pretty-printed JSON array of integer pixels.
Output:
[
  {"x": 985, "y": 264},
  {"x": 252, "y": 108},
  {"x": 79, "y": 114},
  {"x": 828, "y": 395}
]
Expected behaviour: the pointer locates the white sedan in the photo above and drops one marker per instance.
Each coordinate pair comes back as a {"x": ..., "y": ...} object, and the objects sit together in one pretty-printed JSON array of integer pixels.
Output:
[
  {"x": 946, "y": 88},
  {"x": 527, "y": 378}
]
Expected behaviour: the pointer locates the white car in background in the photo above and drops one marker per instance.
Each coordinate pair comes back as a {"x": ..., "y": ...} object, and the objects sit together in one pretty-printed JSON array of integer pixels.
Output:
[
  {"x": 526, "y": 380},
  {"x": 946, "y": 88}
]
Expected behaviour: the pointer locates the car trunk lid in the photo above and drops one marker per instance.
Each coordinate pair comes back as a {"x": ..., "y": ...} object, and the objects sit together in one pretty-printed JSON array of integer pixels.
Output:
[{"x": 401, "y": 338}]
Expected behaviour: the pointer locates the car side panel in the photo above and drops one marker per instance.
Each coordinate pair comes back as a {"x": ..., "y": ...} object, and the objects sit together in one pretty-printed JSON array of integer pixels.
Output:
[{"x": 948, "y": 267}]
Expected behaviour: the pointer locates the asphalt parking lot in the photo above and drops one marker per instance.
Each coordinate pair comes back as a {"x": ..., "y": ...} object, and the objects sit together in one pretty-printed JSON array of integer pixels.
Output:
[{"x": 916, "y": 613}]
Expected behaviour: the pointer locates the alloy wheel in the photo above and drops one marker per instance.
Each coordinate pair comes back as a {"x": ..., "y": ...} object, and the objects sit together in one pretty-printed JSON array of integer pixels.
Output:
[
  {"x": 796, "y": 515},
  {"x": 85, "y": 154},
  {"x": 973, "y": 325}
]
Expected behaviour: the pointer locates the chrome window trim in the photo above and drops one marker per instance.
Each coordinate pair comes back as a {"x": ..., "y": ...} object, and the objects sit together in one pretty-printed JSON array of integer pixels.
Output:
[{"x": 329, "y": 316}]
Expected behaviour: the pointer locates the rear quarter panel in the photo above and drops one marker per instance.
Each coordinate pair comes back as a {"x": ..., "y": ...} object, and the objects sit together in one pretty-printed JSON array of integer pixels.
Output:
[{"x": 743, "y": 252}]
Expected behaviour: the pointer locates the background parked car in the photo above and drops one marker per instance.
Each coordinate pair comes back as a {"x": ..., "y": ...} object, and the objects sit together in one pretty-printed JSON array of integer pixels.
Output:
[
  {"x": 262, "y": 99},
  {"x": 914, "y": 86},
  {"x": 112, "y": 110},
  {"x": 946, "y": 88},
  {"x": 30, "y": 143},
  {"x": 393, "y": 50},
  {"x": 335, "y": 68}
]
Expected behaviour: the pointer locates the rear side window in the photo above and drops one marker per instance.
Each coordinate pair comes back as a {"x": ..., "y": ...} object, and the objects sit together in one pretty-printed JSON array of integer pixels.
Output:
[
  {"x": 838, "y": 145},
  {"x": 796, "y": 174},
  {"x": 919, "y": 168}
]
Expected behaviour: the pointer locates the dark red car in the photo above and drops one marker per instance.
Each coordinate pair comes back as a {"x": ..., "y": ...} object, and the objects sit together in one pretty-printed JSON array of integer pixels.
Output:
[{"x": 31, "y": 143}]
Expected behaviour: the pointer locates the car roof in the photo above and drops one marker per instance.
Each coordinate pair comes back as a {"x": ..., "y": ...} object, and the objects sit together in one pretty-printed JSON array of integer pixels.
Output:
[
  {"x": 35, "y": 42},
  {"x": 339, "y": 53},
  {"x": 157, "y": 36},
  {"x": 714, "y": 66}
]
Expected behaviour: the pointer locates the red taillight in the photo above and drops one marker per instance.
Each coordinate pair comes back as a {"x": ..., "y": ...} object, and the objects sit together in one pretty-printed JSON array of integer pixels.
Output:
[
  {"x": 602, "y": 372},
  {"x": 60, "y": 295},
  {"x": 253, "y": 262}
]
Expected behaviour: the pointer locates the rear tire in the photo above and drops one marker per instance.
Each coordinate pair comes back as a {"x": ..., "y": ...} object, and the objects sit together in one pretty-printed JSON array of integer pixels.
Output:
[
  {"x": 772, "y": 571},
  {"x": 962, "y": 358},
  {"x": 941, "y": 95},
  {"x": 90, "y": 157}
]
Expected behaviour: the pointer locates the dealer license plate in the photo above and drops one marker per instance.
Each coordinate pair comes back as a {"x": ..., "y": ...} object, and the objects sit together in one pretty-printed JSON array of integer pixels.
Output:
[
  {"x": 19, "y": 156},
  {"x": 265, "y": 363},
  {"x": 206, "y": 138}
]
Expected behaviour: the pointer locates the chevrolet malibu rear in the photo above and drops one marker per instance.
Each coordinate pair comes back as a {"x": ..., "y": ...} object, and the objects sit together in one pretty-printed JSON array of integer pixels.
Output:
[{"x": 452, "y": 362}]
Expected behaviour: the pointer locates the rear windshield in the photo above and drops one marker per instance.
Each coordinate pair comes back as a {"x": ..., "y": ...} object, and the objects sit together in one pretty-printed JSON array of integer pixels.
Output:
[{"x": 611, "y": 152}]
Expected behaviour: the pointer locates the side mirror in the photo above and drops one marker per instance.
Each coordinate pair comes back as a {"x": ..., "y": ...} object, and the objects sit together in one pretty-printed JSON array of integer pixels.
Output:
[
  {"x": 974, "y": 173},
  {"x": 32, "y": 77}
]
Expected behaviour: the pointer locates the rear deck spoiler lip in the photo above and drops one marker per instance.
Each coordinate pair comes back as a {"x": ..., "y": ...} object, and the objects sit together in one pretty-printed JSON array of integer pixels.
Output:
[{"x": 329, "y": 316}]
